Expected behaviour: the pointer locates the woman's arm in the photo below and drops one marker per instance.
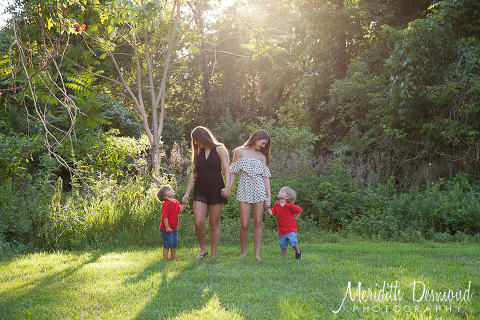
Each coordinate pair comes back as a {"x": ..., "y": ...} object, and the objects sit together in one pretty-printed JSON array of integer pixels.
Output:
[
  {"x": 266, "y": 180},
  {"x": 191, "y": 183},
  {"x": 233, "y": 176},
  {"x": 268, "y": 202},
  {"x": 223, "y": 153}
]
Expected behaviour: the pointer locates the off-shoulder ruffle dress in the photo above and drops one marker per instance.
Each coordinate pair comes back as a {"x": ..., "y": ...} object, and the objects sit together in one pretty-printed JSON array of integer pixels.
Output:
[{"x": 251, "y": 187}]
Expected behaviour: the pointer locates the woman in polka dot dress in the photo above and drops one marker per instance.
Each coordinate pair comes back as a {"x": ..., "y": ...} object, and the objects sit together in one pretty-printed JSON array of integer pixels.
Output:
[{"x": 250, "y": 162}]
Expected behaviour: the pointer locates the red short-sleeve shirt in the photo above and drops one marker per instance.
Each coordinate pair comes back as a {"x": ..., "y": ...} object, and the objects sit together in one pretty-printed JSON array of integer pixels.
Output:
[
  {"x": 285, "y": 221},
  {"x": 170, "y": 210}
]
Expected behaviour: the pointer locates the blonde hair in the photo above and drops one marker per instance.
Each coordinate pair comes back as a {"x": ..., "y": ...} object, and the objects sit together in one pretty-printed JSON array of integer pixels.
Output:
[
  {"x": 292, "y": 195},
  {"x": 162, "y": 193}
]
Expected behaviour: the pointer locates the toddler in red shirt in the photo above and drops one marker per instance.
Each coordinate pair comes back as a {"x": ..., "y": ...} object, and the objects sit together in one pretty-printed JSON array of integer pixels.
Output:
[
  {"x": 287, "y": 215},
  {"x": 170, "y": 211}
]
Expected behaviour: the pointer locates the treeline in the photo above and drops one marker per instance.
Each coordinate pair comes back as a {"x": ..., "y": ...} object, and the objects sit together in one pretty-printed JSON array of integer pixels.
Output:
[
  {"x": 393, "y": 85},
  {"x": 373, "y": 109}
]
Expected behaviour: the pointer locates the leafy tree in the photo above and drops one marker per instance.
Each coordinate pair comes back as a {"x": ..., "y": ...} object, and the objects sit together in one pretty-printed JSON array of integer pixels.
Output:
[
  {"x": 143, "y": 40},
  {"x": 411, "y": 97}
]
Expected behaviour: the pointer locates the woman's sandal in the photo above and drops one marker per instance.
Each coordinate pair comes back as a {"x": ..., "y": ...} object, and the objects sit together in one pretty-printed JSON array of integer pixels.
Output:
[{"x": 200, "y": 256}]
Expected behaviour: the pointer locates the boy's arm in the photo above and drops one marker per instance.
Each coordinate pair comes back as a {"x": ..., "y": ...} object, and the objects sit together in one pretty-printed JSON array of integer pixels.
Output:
[
  {"x": 297, "y": 213},
  {"x": 273, "y": 211},
  {"x": 167, "y": 226},
  {"x": 297, "y": 216},
  {"x": 182, "y": 208}
]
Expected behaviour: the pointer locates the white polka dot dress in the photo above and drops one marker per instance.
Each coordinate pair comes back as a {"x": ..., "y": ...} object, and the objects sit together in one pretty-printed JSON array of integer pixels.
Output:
[{"x": 251, "y": 187}]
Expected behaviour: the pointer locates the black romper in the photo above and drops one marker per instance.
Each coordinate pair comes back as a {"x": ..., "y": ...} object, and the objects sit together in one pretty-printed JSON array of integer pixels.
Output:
[{"x": 209, "y": 183}]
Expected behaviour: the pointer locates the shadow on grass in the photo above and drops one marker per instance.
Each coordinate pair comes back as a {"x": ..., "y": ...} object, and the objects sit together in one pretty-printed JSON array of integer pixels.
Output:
[
  {"x": 183, "y": 289},
  {"x": 222, "y": 288},
  {"x": 137, "y": 284},
  {"x": 13, "y": 307},
  {"x": 274, "y": 288}
]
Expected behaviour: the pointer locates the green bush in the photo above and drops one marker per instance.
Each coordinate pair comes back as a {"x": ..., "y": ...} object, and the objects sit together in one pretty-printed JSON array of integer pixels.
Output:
[
  {"x": 36, "y": 212},
  {"x": 338, "y": 201},
  {"x": 334, "y": 198},
  {"x": 16, "y": 154},
  {"x": 102, "y": 212}
]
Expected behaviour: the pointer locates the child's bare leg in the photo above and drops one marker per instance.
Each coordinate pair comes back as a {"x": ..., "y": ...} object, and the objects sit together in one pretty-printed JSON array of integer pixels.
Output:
[
  {"x": 165, "y": 253},
  {"x": 284, "y": 252},
  {"x": 173, "y": 253},
  {"x": 297, "y": 250}
]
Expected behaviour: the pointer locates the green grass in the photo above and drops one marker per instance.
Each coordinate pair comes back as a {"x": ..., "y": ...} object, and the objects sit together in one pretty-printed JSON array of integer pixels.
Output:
[{"x": 134, "y": 283}]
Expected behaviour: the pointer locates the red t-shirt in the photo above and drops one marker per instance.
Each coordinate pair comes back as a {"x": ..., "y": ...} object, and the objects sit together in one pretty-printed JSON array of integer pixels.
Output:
[
  {"x": 170, "y": 210},
  {"x": 285, "y": 221}
]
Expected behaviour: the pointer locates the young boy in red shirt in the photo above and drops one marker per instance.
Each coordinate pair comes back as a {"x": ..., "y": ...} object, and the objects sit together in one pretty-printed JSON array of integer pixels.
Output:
[
  {"x": 170, "y": 211},
  {"x": 287, "y": 215}
]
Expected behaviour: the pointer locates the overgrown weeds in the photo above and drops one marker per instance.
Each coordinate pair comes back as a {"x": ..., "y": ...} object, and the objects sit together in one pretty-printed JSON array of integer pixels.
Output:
[{"x": 37, "y": 214}]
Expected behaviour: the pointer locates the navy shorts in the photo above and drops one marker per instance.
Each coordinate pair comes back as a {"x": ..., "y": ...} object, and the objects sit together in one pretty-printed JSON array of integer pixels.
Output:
[{"x": 170, "y": 240}]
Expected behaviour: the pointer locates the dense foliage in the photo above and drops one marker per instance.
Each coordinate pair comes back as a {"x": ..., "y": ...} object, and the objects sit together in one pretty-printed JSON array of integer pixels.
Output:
[
  {"x": 373, "y": 109},
  {"x": 38, "y": 214}
]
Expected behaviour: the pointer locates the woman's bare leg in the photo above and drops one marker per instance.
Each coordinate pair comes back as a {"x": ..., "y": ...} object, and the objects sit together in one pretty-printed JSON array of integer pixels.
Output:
[
  {"x": 214, "y": 214},
  {"x": 199, "y": 217},
  {"x": 244, "y": 209},
  {"x": 258, "y": 210}
]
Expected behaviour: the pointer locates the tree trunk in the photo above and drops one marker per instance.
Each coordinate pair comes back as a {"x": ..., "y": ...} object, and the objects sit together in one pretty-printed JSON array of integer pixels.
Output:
[{"x": 342, "y": 57}]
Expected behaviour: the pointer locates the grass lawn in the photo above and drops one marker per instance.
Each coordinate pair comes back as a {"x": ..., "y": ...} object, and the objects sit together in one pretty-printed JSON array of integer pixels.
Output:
[{"x": 134, "y": 283}]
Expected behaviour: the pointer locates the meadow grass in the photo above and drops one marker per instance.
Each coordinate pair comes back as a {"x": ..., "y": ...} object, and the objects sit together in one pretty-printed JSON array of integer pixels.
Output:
[{"x": 134, "y": 283}]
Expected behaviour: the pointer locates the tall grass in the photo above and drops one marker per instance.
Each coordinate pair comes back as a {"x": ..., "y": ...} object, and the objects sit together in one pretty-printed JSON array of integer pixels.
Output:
[
  {"x": 40, "y": 215},
  {"x": 104, "y": 212}
]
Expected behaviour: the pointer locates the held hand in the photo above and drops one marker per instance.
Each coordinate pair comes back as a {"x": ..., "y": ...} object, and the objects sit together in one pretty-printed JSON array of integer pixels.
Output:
[
  {"x": 185, "y": 199},
  {"x": 268, "y": 203},
  {"x": 225, "y": 193}
]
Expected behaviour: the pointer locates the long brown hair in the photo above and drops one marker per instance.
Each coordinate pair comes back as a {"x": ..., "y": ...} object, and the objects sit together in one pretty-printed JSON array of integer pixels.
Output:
[
  {"x": 203, "y": 136},
  {"x": 260, "y": 135}
]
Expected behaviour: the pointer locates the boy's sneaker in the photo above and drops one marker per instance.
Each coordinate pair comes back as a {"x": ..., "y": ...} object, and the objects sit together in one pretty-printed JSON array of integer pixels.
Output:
[{"x": 298, "y": 255}]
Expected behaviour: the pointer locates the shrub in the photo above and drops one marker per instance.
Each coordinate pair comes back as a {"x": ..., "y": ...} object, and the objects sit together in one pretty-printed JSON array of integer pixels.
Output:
[
  {"x": 37, "y": 213},
  {"x": 335, "y": 197}
]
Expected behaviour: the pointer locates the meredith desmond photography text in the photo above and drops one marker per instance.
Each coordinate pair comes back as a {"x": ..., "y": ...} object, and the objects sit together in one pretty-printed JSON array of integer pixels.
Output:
[{"x": 390, "y": 295}]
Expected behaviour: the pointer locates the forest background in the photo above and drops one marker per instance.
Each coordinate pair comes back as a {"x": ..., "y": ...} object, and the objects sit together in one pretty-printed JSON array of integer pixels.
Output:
[{"x": 372, "y": 107}]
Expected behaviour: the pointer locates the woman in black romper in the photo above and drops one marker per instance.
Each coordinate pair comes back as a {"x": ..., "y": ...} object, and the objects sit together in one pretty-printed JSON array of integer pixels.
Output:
[{"x": 209, "y": 158}]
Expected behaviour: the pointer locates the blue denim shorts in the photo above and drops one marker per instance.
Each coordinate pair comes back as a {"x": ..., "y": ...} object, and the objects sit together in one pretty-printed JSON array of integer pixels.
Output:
[
  {"x": 170, "y": 240},
  {"x": 291, "y": 237}
]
